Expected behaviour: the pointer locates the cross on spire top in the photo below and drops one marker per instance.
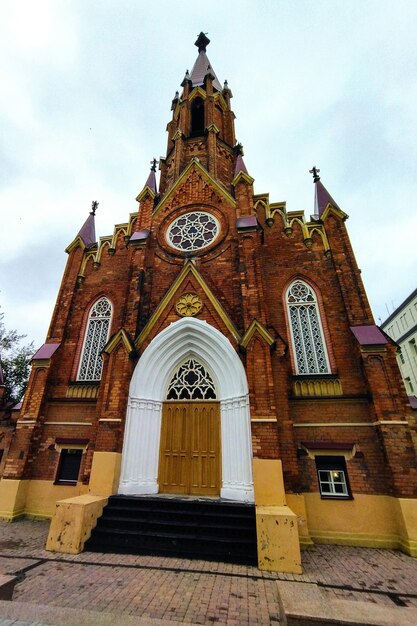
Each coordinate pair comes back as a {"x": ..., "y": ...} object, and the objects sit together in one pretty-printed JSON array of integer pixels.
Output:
[
  {"x": 94, "y": 206},
  {"x": 154, "y": 164},
  {"x": 202, "y": 42},
  {"x": 315, "y": 173}
]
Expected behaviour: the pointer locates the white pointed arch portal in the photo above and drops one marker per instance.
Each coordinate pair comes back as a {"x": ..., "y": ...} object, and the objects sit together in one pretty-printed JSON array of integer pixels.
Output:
[{"x": 187, "y": 337}]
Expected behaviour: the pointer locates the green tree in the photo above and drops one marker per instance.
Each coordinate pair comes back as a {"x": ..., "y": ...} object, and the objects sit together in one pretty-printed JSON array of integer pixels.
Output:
[{"x": 15, "y": 362}]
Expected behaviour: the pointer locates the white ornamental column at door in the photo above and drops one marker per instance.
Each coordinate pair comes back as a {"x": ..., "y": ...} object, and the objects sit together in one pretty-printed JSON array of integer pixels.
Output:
[
  {"x": 236, "y": 449},
  {"x": 141, "y": 447}
]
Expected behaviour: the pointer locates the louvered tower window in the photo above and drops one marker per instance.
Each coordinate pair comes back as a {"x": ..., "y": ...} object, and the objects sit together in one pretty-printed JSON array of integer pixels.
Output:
[
  {"x": 197, "y": 117},
  {"x": 306, "y": 330},
  {"x": 96, "y": 336}
]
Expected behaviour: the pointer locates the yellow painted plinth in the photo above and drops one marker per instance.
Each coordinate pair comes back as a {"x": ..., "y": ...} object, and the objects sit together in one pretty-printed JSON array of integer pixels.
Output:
[
  {"x": 407, "y": 524},
  {"x": 276, "y": 524},
  {"x": 105, "y": 473},
  {"x": 12, "y": 498},
  {"x": 278, "y": 542},
  {"x": 268, "y": 482},
  {"x": 367, "y": 520},
  {"x": 73, "y": 522},
  {"x": 296, "y": 502}
]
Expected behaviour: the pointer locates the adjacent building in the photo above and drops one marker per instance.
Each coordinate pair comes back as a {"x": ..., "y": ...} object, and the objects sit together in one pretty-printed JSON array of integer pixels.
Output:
[{"x": 401, "y": 326}]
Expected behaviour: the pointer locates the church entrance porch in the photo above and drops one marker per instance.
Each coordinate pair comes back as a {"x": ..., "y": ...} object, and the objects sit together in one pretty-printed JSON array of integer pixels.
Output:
[
  {"x": 188, "y": 422},
  {"x": 189, "y": 460}
]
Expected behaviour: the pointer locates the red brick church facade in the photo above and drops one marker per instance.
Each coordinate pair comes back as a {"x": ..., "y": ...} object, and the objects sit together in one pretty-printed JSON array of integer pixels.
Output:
[{"x": 226, "y": 298}]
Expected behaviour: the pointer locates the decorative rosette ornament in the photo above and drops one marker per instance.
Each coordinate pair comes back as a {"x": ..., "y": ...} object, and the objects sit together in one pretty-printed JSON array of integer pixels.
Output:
[{"x": 188, "y": 304}]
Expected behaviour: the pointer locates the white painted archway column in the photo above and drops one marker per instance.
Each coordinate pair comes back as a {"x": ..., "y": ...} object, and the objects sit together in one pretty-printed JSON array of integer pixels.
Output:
[{"x": 187, "y": 337}]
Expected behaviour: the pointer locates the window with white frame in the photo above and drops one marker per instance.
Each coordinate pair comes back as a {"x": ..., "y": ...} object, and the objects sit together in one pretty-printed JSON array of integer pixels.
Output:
[
  {"x": 332, "y": 475},
  {"x": 306, "y": 330},
  {"x": 95, "y": 339}
]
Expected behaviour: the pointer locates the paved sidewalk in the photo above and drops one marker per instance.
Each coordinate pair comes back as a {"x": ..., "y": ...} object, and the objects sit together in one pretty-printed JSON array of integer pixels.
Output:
[{"x": 112, "y": 589}]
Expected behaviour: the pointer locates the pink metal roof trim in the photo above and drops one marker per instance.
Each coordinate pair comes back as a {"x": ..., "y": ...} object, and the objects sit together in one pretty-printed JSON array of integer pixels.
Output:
[
  {"x": 322, "y": 198},
  {"x": 140, "y": 235},
  {"x": 369, "y": 335},
  {"x": 88, "y": 231},
  {"x": 243, "y": 223},
  {"x": 201, "y": 68},
  {"x": 151, "y": 182},
  {"x": 240, "y": 165},
  {"x": 46, "y": 351}
]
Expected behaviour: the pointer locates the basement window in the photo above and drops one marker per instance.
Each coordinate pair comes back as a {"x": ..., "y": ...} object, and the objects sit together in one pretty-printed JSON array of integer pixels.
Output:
[
  {"x": 69, "y": 466},
  {"x": 332, "y": 475}
]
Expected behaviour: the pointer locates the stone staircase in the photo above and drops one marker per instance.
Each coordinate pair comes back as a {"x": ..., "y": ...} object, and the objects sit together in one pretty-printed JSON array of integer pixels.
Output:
[{"x": 192, "y": 528}]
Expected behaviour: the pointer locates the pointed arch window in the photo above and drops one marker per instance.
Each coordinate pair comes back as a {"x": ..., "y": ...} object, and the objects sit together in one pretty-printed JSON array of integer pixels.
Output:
[
  {"x": 197, "y": 117},
  {"x": 191, "y": 381},
  {"x": 309, "y": 347},
  {"x": 95, "y": 339}
]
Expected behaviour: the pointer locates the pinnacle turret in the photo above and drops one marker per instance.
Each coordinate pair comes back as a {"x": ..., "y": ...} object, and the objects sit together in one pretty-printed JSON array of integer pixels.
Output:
[
  {"x": 321, "y": 196},
  {"x": 87, "y": 232},
  {"x": 151, "y": 180}
]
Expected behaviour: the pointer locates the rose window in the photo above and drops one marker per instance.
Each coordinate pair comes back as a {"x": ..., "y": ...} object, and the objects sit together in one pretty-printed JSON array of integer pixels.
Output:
[{"x": 193, "y": 231}]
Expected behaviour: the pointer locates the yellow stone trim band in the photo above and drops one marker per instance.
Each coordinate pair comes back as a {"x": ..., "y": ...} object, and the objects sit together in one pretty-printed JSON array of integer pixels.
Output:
[
  {"x": 242, "y": 176},
  {"x": 352, "y": 424},
  {"x": 145, "y": 191},
  {"x": 263, "y": 419},
  {"x": 120, "y": 337},
  {"x": 257, "y": 327},
  {"x": 68, "y": 423},
  {"x": 82, "y": 391},
  {"x": 333, "y": 424},
  {"x": 110, "y": 419},
  {"x": 310, "y": 387}
]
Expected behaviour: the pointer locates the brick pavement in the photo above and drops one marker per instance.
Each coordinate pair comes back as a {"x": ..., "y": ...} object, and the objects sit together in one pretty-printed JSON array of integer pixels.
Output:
[{"x": 194, "y": 592}]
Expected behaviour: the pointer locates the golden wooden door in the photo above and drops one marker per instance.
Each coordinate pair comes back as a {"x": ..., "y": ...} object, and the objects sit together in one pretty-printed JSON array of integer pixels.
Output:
[{"x": 189, "y": 460}]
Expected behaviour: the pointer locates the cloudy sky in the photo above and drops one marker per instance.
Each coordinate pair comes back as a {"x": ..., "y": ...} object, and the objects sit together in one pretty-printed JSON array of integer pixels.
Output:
[{"x": 86, "y": 89}]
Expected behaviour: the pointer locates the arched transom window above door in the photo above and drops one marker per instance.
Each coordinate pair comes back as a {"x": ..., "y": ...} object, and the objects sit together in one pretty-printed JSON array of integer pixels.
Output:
[
  {"x": 191, "y": 381},
  {"x": 308, "y": 343}
]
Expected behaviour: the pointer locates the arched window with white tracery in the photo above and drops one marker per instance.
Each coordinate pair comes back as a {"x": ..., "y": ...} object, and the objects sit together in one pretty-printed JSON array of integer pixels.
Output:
[
  {"x": 310, "y": 354},
  {"x": 95, "y": 339},
  {"x": 191, "y": 381}
]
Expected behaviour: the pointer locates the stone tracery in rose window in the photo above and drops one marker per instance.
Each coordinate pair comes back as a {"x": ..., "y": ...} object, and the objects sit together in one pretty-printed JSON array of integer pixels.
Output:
[{"x": 193, "y": 231}]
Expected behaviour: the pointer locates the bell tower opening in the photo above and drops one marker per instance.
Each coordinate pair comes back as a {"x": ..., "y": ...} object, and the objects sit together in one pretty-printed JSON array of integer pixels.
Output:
[{"x": 197, "y": 117}]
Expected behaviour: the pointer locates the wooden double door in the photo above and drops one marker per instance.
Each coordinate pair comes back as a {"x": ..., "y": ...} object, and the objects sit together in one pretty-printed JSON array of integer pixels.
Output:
[{"x": 190, "y": 458}]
